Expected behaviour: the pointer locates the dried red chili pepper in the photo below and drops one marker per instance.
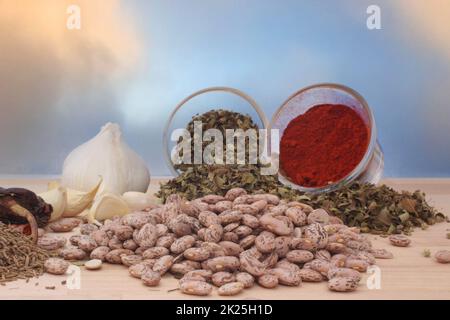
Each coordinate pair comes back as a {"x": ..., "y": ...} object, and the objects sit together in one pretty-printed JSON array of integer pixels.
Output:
[
  {"x": 323, "y": 145},
  {"x": 21, "y": 206}
]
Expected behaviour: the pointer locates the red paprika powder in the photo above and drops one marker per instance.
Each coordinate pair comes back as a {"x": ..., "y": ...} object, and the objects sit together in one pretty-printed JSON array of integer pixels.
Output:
[{"x": 323, "y": 145}]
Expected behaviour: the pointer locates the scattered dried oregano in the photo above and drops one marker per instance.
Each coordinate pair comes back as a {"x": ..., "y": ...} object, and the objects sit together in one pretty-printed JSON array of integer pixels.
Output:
[
  {"x": 426, "y": 253},
  {"x": 378, "y": 209}
]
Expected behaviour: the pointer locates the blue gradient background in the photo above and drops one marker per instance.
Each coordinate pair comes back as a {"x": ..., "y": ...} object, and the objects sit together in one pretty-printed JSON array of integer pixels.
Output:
[{"x": 270, "y": 49}]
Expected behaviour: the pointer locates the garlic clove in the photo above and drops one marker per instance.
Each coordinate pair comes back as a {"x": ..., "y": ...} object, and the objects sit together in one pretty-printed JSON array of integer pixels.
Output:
[
  {"x": 77, "y": 201},
  {"x": 106, "y": 206},
  {"x": 138, "y": 201},
  {"x": 53, "y": 185},
  {"x": 57, "y": 197}
]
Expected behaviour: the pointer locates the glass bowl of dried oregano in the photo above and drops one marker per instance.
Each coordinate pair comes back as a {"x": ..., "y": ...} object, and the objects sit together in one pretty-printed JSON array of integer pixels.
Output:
[{"x": 216, "y": 109}]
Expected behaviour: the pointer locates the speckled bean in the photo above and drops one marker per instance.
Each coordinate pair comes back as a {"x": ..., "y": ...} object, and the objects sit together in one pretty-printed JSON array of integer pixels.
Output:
[
  {"x": 197, "y": 288},
  {"x": 310, "y": 275},
  {"x": 340, "y": 284},
  {"x": 246, "y": 279},
  {"x": 100, "y": 253},
  {"x": 399, "y": 240},
  {"x": 231, "y": 289},
  {"x": 299, "y": 256},
  {"x": 268, "y": 281},
  {"x": 56, "y": 266},
  {"x": 442, "y": 256},
  {"x": 151, "y": 278}
]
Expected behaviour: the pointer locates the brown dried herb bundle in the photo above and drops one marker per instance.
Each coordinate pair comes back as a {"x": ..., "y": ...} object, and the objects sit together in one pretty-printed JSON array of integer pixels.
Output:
[{"x": 19, "y": 257}]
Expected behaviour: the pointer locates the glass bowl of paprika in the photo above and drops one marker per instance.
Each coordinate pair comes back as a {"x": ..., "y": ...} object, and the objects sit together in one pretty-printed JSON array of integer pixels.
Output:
[{"x": 328, "y": 139}]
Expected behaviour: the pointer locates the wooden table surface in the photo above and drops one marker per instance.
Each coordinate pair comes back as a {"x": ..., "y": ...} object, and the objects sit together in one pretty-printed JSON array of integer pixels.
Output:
[{"x": 408, "y": 276}]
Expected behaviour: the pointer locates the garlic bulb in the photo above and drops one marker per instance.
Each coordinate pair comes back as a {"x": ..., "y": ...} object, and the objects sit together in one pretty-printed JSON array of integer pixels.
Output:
[
  {"x": 77, "y": 201},
  {"x": 138, "y": 201},
  {"x": 58, "y": 199},
  {"x": 106, "y": 206},
  {"x": 109, "y": 156}
]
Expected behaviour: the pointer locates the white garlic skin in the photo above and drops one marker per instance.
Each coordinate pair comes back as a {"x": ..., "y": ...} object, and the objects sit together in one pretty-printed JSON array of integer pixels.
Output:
[{"x": 106, "y": 155}]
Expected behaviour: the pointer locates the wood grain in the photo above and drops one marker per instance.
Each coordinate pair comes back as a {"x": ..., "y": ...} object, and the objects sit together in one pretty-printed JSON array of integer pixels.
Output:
[{"x": 408, "y": 276}]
